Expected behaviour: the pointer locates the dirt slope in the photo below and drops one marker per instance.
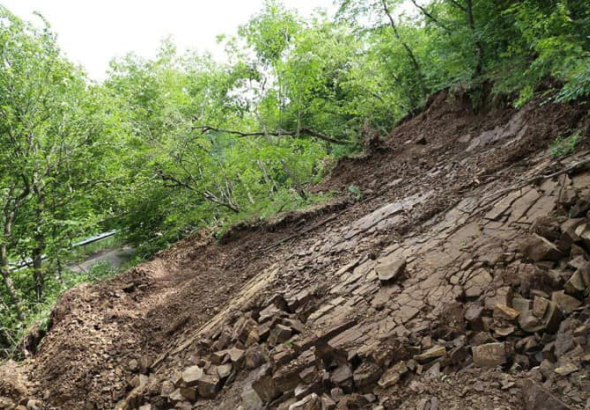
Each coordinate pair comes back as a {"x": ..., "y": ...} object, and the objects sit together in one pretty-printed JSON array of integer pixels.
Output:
[{"x": 459, "y": 279}]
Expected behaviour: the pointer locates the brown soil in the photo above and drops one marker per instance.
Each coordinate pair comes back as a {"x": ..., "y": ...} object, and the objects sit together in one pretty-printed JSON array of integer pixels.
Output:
[{"x": 165, "y": 315}]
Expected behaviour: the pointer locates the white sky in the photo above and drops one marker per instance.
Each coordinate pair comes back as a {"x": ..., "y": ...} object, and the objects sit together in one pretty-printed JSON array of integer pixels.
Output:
[{"x": 92, "y": 32}]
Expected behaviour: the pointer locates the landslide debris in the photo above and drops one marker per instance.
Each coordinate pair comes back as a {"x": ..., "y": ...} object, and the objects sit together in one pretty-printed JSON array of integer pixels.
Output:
[{"x": 461, "y": 280}]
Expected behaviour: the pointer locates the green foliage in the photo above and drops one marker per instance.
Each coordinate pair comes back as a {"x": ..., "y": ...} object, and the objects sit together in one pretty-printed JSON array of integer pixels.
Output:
[
  {"x": 355, "y": 192},
  {"x": 564, "y": 145}
]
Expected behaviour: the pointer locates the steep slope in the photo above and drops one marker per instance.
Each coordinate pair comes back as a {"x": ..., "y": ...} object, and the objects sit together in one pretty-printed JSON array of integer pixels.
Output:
[{"x": 459, "y": 279}]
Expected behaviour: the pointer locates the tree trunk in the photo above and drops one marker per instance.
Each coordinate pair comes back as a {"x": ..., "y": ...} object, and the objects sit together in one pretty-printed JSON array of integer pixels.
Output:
[
  {"x": 267, "y": 179},
  {"x": 478, "y": 45},
  {"x": 412, "y": 57},
  {"x": 9, "y": 284},
  {"x": 38, "y": 274},
  {"x": 11, "y": 206},
  {"x": 295, "y": 179}
]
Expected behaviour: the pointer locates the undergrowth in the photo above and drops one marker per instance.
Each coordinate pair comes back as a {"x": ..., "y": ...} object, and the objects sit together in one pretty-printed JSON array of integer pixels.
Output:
[{"x": 564, "y": 145}]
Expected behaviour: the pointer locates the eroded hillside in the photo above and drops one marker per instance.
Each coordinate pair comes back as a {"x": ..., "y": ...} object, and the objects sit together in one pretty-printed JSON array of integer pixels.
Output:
[{"x": 458, "y": 280}]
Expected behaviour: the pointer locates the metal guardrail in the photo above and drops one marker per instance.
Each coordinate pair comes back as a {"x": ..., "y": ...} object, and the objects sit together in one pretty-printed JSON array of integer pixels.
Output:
[{"x": 27, "y": 262}]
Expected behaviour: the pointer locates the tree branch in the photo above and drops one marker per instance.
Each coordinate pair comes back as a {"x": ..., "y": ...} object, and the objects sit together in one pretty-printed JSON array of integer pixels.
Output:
[
  {"x": 279, "y": 133},
  {"x": 431, "y": 17},
  {"x": 459, "y": 6}
]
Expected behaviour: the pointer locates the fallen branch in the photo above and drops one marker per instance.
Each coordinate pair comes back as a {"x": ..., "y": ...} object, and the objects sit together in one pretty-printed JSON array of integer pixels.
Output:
[
  {"x": 565, "y": 170},
  {"x": 279, "y": 133}
]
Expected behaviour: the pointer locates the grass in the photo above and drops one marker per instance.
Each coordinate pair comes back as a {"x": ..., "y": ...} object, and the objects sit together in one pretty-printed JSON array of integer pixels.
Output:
[{"x": 563, "y": 146}]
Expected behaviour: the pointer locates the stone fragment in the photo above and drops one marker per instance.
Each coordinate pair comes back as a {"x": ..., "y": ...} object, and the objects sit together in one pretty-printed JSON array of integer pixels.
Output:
[
  {"x": 209, "y": 385},
  {"x": 505, "y": 312},
  {"x": 537, "y": 248},
  {"x": 393, "y": 375},
  {"x": 224, "y": 371},
  {"x": 218, "y": 357},
  {"x": 504, "y": 331},
  {"x": 336, "y": 393},
  {"x": 579, "y": 281},
  {"x": 522, "y": 305},
  {"x": 303, "y": 390},
  {"x": 568, "y": 233},
  {"x": 501, "y": 296},
  {"x": 540, "y": 306},
  {"x": 327, "y": 402},
  {"x": 299, "y": 299},
  {"x": 282, "y": 354},
  {"x": 489, "y": 354},
  {"x": 473, "y": 315},
  {"x": 342, "y": 377},
  {"x": 537, "y": 397},
  {"x": 176, "y": 396},
  {"x": 566, "y": 369},
  {"x": 189, "y": 393},
  {"x": 311, "y": 402},
  {"x": 580, "y": 208},
  {"x": 430, "y": 354},
  {"x": 566, "y": 303},
  {"x": 332, "y": 332},
  {"x": 254, "y": 358},
  {"x": 192, "y": 375},
  {"x": 353, "y": 401},
  {"x": 479, "y": 281},
  {"x": 550, "y": 321},
  {"x": 264, "y": 385},
  {"x": 235, "y": 354},
  {"x": 309, "y": 374},
  {"x": 279, "y": 334},
  {"x": 366, "y": 375},
  {"x": 133, "y": 365},
  {"x": 567, "y": 197},
  {"x": 250, "y": 399},
  {"x": 269, "y": 312},
  {"x": 389, "y": 271},
  {"x": 167, "y": 388}
]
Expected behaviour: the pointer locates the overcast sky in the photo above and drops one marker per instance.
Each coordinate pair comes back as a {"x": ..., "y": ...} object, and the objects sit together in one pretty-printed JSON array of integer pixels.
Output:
[{"x": 92, "y": 32}]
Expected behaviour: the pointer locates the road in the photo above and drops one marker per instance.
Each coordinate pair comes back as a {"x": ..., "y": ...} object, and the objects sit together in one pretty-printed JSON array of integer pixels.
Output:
[{"x": 115, "y": 258}]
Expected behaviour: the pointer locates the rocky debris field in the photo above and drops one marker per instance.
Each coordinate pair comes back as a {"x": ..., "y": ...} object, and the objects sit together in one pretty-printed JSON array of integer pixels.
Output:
[{"x": 459, "y": 280}]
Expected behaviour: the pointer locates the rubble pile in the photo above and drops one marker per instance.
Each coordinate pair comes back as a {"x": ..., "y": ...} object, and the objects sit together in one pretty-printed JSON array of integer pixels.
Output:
[{"x": 507, "y": 292}]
